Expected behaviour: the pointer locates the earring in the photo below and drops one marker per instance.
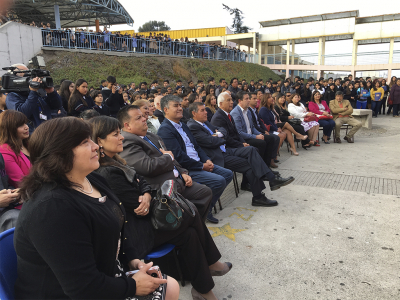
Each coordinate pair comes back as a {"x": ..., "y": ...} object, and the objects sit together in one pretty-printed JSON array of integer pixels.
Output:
[{"x": 102, "y": 151}]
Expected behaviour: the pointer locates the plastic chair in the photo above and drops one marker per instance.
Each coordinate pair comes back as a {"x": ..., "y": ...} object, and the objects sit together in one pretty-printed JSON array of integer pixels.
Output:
[
  {"x": 8, "y": 265},
  {"x": 162, "y": 251}
]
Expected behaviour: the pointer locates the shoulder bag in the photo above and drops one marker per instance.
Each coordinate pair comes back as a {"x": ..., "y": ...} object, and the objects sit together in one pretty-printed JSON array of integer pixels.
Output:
[
  {"x": 294, "y": 121},
  {"x": 169, "y": 208}
]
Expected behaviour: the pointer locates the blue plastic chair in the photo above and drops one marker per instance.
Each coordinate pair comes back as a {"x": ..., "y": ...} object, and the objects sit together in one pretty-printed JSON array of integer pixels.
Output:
[
  {"x": 162, "y": 251},
  {"x": 8, "y": 265}
]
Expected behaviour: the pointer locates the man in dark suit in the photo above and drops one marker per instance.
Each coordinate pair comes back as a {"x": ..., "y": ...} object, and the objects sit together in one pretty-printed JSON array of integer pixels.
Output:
[
  {"x": 178, "y": 138},
  {"x": 147, "y": 153},
  {"x": 158, "y": 113},
  {"x": 245, "y": 160}
]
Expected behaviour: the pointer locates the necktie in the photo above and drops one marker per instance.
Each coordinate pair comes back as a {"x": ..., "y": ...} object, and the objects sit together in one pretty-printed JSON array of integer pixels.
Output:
[
  {"x": 230, "y": 118},
  {"x": 222, "y": 147},
  {"x": 151, "y": 143}
]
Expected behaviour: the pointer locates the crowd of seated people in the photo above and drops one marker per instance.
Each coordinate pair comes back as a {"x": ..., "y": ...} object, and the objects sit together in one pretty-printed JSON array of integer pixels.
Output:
[{"x": 88, "y": 180}]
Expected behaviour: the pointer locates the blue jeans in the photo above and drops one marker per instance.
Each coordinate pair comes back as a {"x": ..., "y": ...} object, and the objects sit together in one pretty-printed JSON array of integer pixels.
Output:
[
  {"x": 327, "y": 126},
  {"x": 376, "y": 107},
  {"x": 217, "y": 180},
  {"x": 361, "y": 104}
]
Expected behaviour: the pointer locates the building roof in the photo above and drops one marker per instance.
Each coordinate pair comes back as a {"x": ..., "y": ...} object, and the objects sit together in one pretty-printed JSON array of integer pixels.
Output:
[
  {"x": 73, "y": 13},
  {"x": 381, "y": 18},
  {"x": 307, "y": 19}
]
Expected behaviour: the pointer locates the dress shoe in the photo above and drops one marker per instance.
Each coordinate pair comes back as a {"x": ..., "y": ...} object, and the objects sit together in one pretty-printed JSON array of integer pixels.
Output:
[
  {"x": 279, "y": 182},
  {"x": 211, "y": 219},
  {"x": 227, "y": 268},
  {"x": 276, "y": 173},
  {"x": 275, "y": 160},
  {"x": 196, "y": 295},
  {"x": 273, "y": 165},
  {"x": 263, "y": 201},
  {"x": 246, "y": 187},
  {"x": 349, "y": 139},
  {"x": 338, "y": 140}
]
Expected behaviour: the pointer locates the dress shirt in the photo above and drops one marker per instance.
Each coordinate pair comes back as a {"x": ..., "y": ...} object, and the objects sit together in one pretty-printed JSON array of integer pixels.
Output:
[
  {"x": 190, "y": 150},
  {"x": 246, "y": 119}
]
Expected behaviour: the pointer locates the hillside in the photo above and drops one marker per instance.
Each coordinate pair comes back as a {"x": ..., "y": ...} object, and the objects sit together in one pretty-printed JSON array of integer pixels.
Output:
[{"x": 95, "y": 67}]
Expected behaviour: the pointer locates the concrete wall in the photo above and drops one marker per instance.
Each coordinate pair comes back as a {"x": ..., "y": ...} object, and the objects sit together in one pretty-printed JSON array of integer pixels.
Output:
[
  {"x": 378, "y": 30},
  {"x": 19, "y": 43}
]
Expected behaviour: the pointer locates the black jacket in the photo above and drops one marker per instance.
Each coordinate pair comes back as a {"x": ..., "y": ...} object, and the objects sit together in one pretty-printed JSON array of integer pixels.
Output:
[
  {"x": 113, "y": 101},
  {"x": 174, "y": 142},
  {"x": 67, "y": 242},
  {"x": 233, "y": 138},
  {"x": 258, "y": 124},
  {"x": 104, "y": 110},
  {"x": 159, "y": 115},
  {"x": 124, "y": 183},
  {"x": 210, "y": 144},
  {"x": 3, "y": 174},
  {"x": 329, "y": 95},
  {"x": 80, "y": 107}
]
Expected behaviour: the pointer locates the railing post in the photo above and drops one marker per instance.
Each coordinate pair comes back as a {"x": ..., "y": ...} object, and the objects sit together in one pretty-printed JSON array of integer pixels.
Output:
[{"x": 391, "y": 47}]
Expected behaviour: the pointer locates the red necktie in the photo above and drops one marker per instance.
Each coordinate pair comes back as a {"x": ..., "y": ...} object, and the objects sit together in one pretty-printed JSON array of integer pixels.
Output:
[{"x": 230, "y": 118}]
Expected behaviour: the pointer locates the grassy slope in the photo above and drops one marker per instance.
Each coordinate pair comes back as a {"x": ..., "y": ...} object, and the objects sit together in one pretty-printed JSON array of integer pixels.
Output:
[{"x": 95, "y": 67}]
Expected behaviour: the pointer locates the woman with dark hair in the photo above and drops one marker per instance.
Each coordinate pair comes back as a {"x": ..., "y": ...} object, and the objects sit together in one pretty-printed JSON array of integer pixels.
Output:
[
  {"x": 14, "y": 133},
  {"x": 306, "y": 95},
  {"x": 211, "y": 106},
  {"x": 390, "y": 101},
  {"x": 385, "y": 87},
  {"x": 284, "y": 115},
  {"x": 369, "y": 87},
  {"x": 71, "y": 239},
  {"x": 297, "y": 110},
  {"x": 363, "y": 94},
  {"x": 377, "y": 93},
  {"x": 210, "y": 90},
  {"x": 271, "y": 118},
  {"x": 395, "y": 95},
  {"x": 351, "y": 94},
  {"x": 79, "y": 100},
  {"x": 197, "y": 247},
  {"x": 325, "y": 119}
]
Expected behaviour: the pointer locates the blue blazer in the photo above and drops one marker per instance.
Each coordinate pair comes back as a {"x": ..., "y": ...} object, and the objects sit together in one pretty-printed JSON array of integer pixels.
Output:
[
  {"x": 174, "y": 142},
  {"x": 240, "y": 124},
  {"x": 268, "y": 117}
]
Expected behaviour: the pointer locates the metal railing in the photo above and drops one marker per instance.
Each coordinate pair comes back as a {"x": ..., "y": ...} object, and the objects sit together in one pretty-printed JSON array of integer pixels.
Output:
[{"x": 109, "y": 42}]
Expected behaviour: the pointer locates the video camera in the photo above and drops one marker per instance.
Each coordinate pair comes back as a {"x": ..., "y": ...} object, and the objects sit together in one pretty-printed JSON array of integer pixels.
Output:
[{"x": 13, "y": 83}]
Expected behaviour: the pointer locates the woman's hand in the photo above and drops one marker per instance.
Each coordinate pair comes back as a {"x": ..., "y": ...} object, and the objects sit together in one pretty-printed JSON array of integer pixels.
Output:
[
  {"x": 309, "y": 114},
  {"x": 290, "y": 117},
  {"x": 146, "y": 284},
  {"x": 143, "y": 208},
  {"x": 135, "y": 264},
  {"x": 325, "y": 113},
  {"x": 7, "y": 197}
]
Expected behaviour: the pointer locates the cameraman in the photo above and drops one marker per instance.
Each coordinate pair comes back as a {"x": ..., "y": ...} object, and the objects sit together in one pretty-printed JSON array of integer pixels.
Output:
[
  {"x": 36, "y": 105},
  {"x": 112, "y": 96}
]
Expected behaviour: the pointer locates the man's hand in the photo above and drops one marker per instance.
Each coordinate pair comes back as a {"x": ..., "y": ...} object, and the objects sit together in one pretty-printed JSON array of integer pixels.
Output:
[
  {"x": 146, "y": 284},
  {"x": 187, "y": 179},
  {"x": 113, "y": 89},
  {"x": 36, "y": 79},
  {"x": 143, "y": 208},
  {"x": 167, "y": 152},
  {"x": 208, "y": 166},
  {"x": 259, "y": 137},
  {"x": 245, "y": 144}
]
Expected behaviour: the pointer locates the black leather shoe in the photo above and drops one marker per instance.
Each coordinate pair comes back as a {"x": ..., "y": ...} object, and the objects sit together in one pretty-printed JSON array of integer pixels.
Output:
[
  {"x": 275, "y": 160},
  {"x": 276, "y": 173},
  {"x": 246, "y": 187},
  {"x": 210, "y": 218},
  {"x": 227, "y": 268},
  {"x": 263, "y": 201},
  {"x": 279, "y": 182}
]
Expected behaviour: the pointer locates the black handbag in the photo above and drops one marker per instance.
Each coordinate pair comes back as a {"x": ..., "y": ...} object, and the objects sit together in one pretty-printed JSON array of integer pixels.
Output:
[
  {"x": 169, "y": 208},
  {"x": 294, "y": 121}
]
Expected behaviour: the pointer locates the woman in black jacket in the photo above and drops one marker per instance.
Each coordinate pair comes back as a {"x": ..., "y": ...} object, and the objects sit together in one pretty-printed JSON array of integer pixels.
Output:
[
  {"x": 197, "y": 247},
  {"x": 284, "y": 115},
  {"x": 79, "y": 100},
  {"x": 329, "y": 94},
  {"x": 71, "y": 239}
]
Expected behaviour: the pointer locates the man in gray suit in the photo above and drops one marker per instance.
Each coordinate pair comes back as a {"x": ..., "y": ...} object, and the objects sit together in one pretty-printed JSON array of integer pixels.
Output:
[{"x": 147, "y": 153}]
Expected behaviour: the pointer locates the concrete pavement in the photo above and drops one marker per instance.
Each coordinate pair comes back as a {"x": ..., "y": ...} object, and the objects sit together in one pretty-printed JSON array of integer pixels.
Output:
[{"x": 335, "y": 233}]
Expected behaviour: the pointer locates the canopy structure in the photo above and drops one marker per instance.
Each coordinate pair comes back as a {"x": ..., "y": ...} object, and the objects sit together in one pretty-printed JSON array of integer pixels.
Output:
[{"x": 70, "y": 13}]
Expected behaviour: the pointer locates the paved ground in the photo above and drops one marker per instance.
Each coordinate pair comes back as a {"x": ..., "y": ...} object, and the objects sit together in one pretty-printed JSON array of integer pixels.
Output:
[{"x": 335, "y": 234}]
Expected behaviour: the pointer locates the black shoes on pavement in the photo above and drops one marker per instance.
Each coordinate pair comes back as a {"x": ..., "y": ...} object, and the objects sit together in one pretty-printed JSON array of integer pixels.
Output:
[
  {"x": 279, "y": 182},
  {"x": 263, "y": 201}
]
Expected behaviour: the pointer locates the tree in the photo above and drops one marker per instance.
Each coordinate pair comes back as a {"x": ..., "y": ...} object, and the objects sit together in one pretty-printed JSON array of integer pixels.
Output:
[
  {"x": 237, "y": 25},
  {"x": 154, "y": 26}
]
